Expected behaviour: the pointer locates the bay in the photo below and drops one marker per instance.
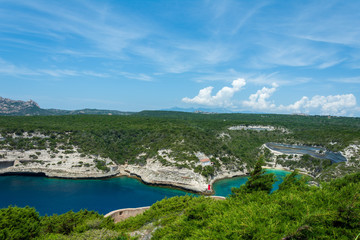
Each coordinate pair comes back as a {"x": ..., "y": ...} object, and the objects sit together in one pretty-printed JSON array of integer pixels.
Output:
[{"x": 52, "y": 195}]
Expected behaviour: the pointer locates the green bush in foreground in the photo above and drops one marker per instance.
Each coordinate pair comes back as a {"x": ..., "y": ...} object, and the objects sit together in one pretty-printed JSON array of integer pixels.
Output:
[
  {"x": 25, "y": 223},
  {"x": 258, "y": 181},
  {"x": 19, "y": 223},
  {"x": 297, "y": 211}
]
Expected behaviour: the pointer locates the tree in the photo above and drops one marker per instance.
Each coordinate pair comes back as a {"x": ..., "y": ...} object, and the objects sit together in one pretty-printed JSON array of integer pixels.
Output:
[
  {"x": 293, "y": 180},
  {"x": 258, "y": 180}
]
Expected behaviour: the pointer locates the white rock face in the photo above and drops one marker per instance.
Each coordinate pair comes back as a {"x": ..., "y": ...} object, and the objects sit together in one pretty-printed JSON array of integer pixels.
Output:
[
  {"x": 258, "y": 128},
  {"x": 155, "y": 173},
  {"x": 352, "y": 154},
  {"x": 224, "y": 173},
  {"x": 71, "y": 165},
  {"x": 8, "y": 106},
  {"x": 351, "y": 151}
]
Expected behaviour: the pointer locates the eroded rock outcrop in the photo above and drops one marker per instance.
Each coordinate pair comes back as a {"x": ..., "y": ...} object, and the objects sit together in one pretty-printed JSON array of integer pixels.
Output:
[
  {"x": 63, "y": 164},
  {"x": 155, "y": 173}
]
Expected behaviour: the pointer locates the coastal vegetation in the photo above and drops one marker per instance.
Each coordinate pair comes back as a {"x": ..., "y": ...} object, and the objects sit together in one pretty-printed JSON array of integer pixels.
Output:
[
  {"x": 295, "y": 211},
  {"x": 132, "y": 139},
  {"x": 135, "y": 138}
]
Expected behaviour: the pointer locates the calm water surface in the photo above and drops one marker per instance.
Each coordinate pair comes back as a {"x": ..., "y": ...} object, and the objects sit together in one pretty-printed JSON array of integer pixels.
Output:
[{"x": 50, "y": 195}]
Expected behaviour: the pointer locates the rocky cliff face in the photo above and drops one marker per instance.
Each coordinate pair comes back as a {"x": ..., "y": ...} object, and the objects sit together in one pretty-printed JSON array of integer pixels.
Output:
[
  {"x": 155, "y": 173},
  {"x": 60, "y": 164},
  {"x": 68, "y": 161},
  {"x": 17, "y": 107},
  {"x": 76, "y": 165},
  {"x": 9, "y": 107}
]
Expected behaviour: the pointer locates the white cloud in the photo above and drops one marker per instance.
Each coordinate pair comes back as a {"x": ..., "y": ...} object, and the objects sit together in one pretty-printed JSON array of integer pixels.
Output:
[
  {"x": 327, "y": 64},
  {"x": 348, "y": 80},
  {"x": 222, "y": 97},
  {"x": 137, "y": 76},
  {"x": 7, "y": 68},
  {"x": 291, "y": 52},
  {"x": 259, "y": 100},
  {"x": 338, "y": 105},
  {"x": 327, "y": 105}
]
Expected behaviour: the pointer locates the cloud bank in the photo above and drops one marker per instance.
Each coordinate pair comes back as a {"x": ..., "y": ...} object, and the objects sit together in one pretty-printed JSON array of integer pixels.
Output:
[
  {"x": 338, "y": 105},
  {"x": 259, "y": 100},
  {"x": 326, "y": 105},
  {"x": 222, "y": 97}
]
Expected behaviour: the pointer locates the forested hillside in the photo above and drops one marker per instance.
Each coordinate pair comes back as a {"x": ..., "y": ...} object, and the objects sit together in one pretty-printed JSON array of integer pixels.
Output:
[{"x": 135, "y": 138}]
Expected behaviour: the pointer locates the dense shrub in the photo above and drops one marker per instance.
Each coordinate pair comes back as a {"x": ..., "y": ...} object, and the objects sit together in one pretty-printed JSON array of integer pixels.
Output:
[
  {"x": 297, "y": 211},
  {"x": 19, "y": 223},
  {"x": 258, "y": 181}
]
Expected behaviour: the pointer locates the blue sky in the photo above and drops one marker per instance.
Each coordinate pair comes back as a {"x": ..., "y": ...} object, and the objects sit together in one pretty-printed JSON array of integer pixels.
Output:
[{"x": 257, "y": 56}]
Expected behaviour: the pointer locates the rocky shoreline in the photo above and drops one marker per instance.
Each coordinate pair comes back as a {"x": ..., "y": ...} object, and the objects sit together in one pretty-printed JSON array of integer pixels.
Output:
[
  {"x": 351, "y": 153},
  {"x": 153, "y": 173},
  {"x": 79, "y": 166},
  {"x": 63, "y": 164},
  {"x": 56, "y": 173},
  {"x": 75, "y": 165}
]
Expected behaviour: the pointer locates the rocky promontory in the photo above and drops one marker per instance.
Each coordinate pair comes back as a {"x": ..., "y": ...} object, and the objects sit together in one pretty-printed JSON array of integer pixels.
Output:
[
  {"x": 169, "y": 173},
  {"x": 156, "y": 174}
]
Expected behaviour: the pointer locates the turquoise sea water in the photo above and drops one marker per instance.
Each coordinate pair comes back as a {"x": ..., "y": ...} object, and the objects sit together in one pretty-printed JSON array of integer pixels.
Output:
[
  {"x": 51, "y": 195},
  {"x": 223, "y": 187}
]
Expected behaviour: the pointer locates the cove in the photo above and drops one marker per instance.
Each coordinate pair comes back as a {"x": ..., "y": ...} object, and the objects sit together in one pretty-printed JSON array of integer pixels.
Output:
[
  {"x": 223, "y": 187},
  {"x": 52, "y": 195}
]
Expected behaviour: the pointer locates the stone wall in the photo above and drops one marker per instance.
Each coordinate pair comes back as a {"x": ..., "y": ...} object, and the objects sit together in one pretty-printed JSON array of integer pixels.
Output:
[{"x": 122, "y": 214}]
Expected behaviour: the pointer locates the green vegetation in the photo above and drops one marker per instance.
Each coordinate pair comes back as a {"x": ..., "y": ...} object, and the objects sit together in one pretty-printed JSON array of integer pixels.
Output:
[
  {"x": 101, "y": 165},
  {"x": 295, "y": 211},
  {"x": 314, "y": 165},
  {"x": 25, "y": 223},
  {"x": 258, "y": 181},
  {"x": 134, "y": 138}
]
